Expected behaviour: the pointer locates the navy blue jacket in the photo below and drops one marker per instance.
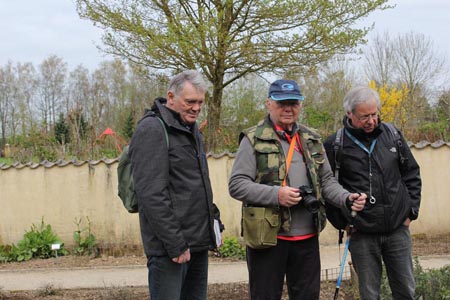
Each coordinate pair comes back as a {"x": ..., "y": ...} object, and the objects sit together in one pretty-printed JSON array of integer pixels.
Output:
[{"x": 397, "y": 189}]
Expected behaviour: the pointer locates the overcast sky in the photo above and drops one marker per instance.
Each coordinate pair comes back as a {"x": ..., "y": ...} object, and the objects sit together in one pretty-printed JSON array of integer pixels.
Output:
[{"x": 32, "y": 30}]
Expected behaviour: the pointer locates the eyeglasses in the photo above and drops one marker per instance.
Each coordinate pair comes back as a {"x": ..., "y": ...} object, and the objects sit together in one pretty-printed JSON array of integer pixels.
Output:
[{"x": 366, "y": 118}]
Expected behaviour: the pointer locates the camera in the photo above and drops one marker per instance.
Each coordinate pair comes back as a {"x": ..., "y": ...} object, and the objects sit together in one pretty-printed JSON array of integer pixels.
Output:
[{"x": 308, "y": 199}]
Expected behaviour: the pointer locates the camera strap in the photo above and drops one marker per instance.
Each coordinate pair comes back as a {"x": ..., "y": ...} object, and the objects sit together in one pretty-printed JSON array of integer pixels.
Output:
[
  {"x": 289, "y": 158},
  {"x": 286, "y": 215}
]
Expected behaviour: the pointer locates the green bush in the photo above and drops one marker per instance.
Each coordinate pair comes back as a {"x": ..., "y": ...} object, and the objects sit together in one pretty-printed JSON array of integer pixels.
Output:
[
  {"x": 4, "y": 254},
  {"x": 385, "y": 288},
  {"x": 109, "y": 153},
  {"x": 36, "y": 243},
  {"x": 6, "y": 161},
  {"x": 232, "y": 248},
  {"x": 85, "y": 241},
  {"x": 432, "y": 284}
]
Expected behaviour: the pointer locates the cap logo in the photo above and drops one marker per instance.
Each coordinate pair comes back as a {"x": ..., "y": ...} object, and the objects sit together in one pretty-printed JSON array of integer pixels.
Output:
[
  {"x": 287, "y": 87},
  {"x": 285, "y": 90}
]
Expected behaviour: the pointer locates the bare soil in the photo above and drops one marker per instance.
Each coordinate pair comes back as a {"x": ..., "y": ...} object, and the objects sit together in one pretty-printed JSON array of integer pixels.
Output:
[
  {"x": 422, "y": 245},
  {"x": 235, "y": 291},
  {"x": 73, "y": 261}
]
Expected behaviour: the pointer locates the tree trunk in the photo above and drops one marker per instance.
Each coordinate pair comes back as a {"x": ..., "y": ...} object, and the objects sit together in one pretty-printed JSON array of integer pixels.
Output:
[{"x": 213, "y": 127}]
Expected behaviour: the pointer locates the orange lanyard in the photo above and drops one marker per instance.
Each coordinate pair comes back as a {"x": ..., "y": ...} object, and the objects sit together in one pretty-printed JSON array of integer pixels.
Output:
[{"x": 289, "y": 158}]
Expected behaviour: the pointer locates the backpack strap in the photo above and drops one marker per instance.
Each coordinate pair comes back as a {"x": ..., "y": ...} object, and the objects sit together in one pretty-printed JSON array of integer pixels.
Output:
[
  {"x": 337, "y": 146},
  {"x": 150, "y": 113},
  {"x": 396, "y": 137},
  {"x": 165, "y": 130}
]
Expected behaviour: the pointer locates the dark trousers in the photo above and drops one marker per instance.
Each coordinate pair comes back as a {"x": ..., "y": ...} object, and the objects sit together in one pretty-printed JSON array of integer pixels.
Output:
[
  {"x": 171, "y": 281},
  {"x": 299, "y": 261}
]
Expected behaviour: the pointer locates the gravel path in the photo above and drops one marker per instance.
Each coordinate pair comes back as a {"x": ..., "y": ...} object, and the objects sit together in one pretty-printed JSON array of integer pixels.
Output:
[{"x": 136, "y": 274}]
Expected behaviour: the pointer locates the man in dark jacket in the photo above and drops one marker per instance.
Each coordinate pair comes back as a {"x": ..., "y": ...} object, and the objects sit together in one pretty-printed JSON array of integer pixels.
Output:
[
  {"x": 370, "y": 162},
  {"x": 173, "y": 191}
]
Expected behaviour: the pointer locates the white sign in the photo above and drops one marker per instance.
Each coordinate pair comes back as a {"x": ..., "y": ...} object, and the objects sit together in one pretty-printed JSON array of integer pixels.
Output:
[{"x": 56, "y": 246}]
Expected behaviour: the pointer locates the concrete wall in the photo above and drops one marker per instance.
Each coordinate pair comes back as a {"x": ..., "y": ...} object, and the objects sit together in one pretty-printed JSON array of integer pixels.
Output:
[{"x": 63, "y": 192}]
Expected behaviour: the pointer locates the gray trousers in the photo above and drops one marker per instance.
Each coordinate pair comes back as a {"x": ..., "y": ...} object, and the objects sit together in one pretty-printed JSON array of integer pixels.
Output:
[
  {"x": 171, "y": 281},
  {"x": 368, "y": 251}
]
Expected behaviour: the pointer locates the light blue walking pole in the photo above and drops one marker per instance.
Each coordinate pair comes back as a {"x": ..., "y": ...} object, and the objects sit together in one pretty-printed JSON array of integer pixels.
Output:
[{"x": 344, "y": 258}]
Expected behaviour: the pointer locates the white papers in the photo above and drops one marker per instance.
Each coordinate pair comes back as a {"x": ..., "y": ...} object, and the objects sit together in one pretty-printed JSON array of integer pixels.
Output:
[{"x": 217, "y": 233}]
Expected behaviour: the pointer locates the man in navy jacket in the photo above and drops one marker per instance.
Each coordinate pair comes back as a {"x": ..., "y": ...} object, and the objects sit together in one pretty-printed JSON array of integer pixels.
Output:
[{"x": 372, "y": 162}]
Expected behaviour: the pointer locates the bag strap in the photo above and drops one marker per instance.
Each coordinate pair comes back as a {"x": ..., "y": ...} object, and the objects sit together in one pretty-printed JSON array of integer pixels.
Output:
[
  {"x": 289, "y": 158},
  {"x": 337, "y": 145},
  {"x": 398, "y": 144},
  {"x": 165, "y": 130}
]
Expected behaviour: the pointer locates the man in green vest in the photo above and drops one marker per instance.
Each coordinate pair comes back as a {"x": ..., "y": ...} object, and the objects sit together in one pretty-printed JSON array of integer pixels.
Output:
[{"x": 259, "y": 179}]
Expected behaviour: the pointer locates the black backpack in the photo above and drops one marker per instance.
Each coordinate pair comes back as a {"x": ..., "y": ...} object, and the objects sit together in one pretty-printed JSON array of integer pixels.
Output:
[
  {"x": 125, "y": 177},
  {"x": 334, "y": 215}
]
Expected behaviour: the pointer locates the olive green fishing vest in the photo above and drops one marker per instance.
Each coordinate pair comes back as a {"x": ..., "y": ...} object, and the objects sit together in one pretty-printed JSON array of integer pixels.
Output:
[{"x": 271, "y": 160}]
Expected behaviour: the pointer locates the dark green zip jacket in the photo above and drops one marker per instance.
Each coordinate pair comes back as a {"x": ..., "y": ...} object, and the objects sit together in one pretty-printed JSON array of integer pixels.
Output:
[{"x": 173, "y": 189}]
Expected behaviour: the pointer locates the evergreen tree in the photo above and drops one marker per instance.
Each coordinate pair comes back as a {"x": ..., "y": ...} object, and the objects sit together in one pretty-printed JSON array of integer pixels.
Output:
[
  {"x": 62, "y": 132},
  {"x": 83, "y": 126},
  {"x": 128, "y": 128}
]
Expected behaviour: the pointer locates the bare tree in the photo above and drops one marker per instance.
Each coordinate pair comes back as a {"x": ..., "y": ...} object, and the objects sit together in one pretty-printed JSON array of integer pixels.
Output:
[
  {"x": 26, "y": 93},
  {"x": 417, "y": 62},
  {"x": 379, "y": 60},
  {"x": 78, "y": 89},
  {"x": 243, "y": 106},
  {"x": 324, "y": 89},
  {"x": 111, "y": 82},
  {"x": 17, "y": 88},
  {"x": 7, "y": 93},
  {"x": 52, "y": 73},
  {"x": 78, "y": 93},
  {"x": 143, "y": 89}
]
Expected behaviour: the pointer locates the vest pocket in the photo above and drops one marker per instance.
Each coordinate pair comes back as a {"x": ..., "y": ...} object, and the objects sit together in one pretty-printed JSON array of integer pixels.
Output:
[
  {"x": 269, "y": 169},
  {"x": 260, "y": 226}
]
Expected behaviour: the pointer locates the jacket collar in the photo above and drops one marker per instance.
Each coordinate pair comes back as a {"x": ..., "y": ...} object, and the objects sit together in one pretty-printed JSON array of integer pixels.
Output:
[
  {"x": 269, "y": 132},
  {"x": 361, "y": 134},
  {"x": 171, "y": 117}
]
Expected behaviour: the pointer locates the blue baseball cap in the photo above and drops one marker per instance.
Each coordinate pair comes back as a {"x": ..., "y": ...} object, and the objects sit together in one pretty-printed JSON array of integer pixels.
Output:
[{"x": 285, "y": 90}]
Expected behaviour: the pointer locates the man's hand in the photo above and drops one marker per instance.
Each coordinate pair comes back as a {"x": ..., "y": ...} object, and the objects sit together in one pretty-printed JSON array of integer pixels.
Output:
[
  {"x": 357, "y": 201},
  {"x": 288, "y": 196},
  {"x": 184, "y": 257}
]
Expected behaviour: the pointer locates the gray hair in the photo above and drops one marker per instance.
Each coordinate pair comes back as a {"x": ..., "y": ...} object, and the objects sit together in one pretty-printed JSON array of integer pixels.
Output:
[
  {"x": 358, "y": 95},
  {"x": 193, "y": 77}
]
